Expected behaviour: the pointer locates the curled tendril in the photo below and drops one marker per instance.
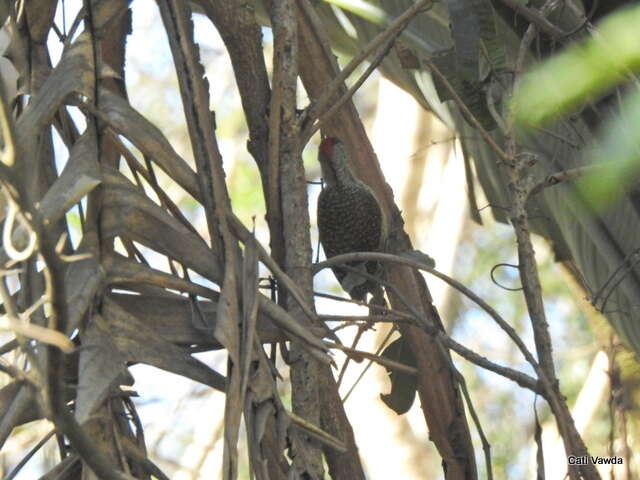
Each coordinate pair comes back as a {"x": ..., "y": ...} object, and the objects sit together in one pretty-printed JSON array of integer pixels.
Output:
[
  {"x": 14, "y": 254},
  {"x": 493, "y": 279}
]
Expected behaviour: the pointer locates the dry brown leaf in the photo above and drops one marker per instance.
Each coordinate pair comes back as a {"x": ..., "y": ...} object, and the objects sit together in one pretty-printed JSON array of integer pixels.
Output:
[
  {"x": 139, "y": 342},
  {"x": 122, "y": 271},
  {"x": 148, "y": 139},
  {"x": 74, "y": 73},
  {"x": 172, "y": 319},
  {"x": 28, "y": 411},
  {"x": 129, "y": 213},
  {"x": 249, "y": 312},
  {"x": 79, "y": 177},
  {"x": 102, "y": 368},
  {"x": 82, "y": 281}
]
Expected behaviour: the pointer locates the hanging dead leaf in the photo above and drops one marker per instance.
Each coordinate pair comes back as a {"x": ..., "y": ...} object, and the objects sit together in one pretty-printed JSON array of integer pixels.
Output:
[
  {"x": 148, "y": 139},
  {"x": 79, "y": 177},
  {"x": 129, "y": 213},
  {"x": 102, "y": 368},
  {"x": 122, "y": 271},
  {"x": 140, "y": 343}
]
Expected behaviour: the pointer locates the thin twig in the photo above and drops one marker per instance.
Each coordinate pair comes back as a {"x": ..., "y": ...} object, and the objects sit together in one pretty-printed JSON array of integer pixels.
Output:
[
  {"x": 386, "y": 257},
  {"x": 245, "y": 236},
  {"x": 311, "y": 129},
  {"x": 355, "y": 319},
  {"x": 518, "y": 377},
  {"x": 317, "y": 433},
  {"x": 316, "y": 109},
  {"x": 519, "y": 193},
  {"x": 536, "y": 19},
  {"x": 29, "y": 455},
  {"x": 486, "y": 136},
  {"x": 359, "y": 355},
  {"x": 354, "y": 345},
  {"x": 382, "y": 345},
  {"x": 486, "y": 446},
  {"x": 564, "y": 176}
]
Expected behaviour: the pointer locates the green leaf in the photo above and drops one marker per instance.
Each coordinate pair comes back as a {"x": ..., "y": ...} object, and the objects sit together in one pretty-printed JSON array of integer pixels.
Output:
[
  {"x": 619, "y": 154},
  {"x": 362, "y": 8},
  {"x": 563, "y": 83}
]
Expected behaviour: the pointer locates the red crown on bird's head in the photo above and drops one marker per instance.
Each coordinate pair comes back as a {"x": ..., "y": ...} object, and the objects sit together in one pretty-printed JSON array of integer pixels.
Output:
[{"x": 326, "y": 146}]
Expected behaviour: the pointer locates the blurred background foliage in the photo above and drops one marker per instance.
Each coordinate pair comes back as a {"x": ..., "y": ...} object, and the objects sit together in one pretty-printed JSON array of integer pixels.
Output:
[
  {"x": 422, "y": 161},
  {"x": 580, "y": 76}
]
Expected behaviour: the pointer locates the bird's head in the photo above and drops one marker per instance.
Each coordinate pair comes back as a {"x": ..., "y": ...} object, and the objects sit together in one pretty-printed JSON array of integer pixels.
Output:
[
  {"x": 327, "y": 146},
  {"x": 333, "y": 161}
]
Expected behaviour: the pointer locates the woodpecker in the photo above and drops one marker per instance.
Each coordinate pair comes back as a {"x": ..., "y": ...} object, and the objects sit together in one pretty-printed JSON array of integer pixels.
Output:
[{"x": 349, "y": 220}]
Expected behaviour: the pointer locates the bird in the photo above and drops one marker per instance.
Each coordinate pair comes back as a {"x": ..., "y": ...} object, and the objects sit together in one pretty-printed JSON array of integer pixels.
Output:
[{"x": 349, "y": 220}]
